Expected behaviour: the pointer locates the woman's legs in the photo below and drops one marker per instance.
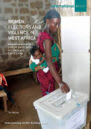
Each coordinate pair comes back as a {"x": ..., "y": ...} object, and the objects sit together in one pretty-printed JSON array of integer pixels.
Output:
[
  {"x": 47, "y": 82},
  {"x": 43, "y": 89},
  {"x": 51, "y": 86}
]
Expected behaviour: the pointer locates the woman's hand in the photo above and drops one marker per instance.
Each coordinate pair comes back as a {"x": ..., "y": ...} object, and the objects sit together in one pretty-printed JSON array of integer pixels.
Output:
[{"x": 64, "y": 87}]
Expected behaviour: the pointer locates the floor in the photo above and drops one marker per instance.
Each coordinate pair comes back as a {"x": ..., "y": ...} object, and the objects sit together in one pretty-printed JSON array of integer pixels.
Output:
[{"x": 25, "y": 91}]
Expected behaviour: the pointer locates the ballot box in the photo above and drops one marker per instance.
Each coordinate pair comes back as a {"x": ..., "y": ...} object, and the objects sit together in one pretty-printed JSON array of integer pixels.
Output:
[{"x": 58, "y": 110}]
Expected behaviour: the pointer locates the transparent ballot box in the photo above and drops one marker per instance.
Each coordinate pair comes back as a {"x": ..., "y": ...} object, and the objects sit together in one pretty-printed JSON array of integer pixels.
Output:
[{"x": 58, "y": 110}]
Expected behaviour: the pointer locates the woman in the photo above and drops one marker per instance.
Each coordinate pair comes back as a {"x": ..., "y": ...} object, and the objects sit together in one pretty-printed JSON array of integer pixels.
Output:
[{"x": 45, "y": 42}]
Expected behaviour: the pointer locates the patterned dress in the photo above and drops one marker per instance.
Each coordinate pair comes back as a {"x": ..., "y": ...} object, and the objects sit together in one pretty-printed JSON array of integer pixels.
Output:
[{"x": 46, "y": 80}]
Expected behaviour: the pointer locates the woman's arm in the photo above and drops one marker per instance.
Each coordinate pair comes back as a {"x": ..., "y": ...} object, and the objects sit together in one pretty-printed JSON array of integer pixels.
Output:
[{"x": 64, "y": 86}]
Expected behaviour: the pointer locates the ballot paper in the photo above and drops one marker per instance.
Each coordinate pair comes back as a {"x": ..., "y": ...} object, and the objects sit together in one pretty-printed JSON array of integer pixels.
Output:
[{"x": 68, "y": 95}]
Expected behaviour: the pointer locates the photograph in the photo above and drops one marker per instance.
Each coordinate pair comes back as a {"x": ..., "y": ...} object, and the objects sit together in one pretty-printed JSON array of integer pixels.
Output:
[{"x": 45, "y": 64}]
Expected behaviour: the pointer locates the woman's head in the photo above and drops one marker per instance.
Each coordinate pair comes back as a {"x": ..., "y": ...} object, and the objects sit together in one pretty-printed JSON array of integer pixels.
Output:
[{"x": 52, "y": 20}]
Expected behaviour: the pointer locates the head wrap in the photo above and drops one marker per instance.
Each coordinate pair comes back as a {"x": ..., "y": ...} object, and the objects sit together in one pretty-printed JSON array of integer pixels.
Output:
[{"x": 51, "y": 14}]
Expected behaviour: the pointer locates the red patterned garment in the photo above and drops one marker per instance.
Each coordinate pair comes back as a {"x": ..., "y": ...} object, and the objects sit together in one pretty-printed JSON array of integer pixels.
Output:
[
  {"x": 3, "y": 81},
  {"x": 41, "y": 37},
  {"x": 46, "y": 80}
]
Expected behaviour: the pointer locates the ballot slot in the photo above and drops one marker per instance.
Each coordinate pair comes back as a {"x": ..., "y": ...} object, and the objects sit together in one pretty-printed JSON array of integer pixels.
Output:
[
  {"x": 59, "y": 99},
  {"x": 55, "y": 97}
]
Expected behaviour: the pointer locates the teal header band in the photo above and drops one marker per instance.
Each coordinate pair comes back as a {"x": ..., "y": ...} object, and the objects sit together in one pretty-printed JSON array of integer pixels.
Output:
[{"x": 80, "y": 5}]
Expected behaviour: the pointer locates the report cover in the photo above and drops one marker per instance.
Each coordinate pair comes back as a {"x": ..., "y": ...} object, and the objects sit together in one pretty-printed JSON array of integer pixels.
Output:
[{"x": 21, "y": 22}]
